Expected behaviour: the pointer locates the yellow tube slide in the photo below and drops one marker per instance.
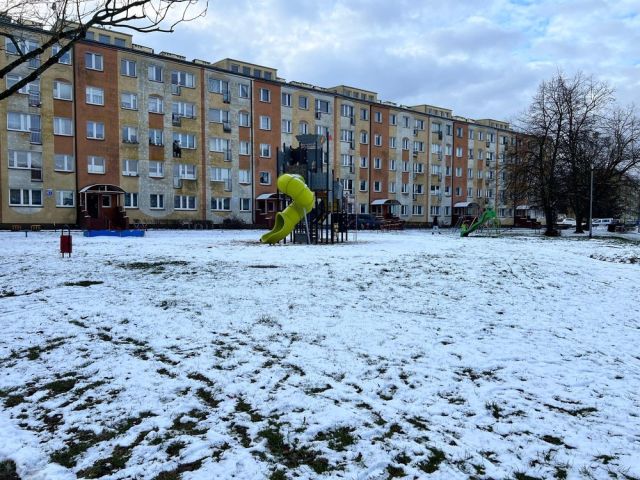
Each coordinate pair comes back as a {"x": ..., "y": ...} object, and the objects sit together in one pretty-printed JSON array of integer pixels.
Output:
[{"x": 294, "y": 186}]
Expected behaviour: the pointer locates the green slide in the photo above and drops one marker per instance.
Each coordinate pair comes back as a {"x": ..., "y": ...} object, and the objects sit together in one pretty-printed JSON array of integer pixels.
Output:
[
  {"x": 488, "y": 215},
  {"x": 294, "y": 186}
]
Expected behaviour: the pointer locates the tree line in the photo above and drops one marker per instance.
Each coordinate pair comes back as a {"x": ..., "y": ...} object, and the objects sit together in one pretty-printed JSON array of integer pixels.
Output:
[{"x": 572, "y": 132}]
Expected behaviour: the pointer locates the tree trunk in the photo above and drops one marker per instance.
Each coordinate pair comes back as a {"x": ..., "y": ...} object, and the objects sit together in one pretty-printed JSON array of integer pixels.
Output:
[{"x": 551, "y": 230}]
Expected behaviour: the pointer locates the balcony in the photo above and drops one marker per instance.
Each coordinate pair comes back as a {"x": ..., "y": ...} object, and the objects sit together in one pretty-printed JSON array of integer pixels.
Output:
[
  {"x": 176, "y": 89},
  {"x": 352, "y": 120},
  {"x": 226, "y": 97},
  {"x": 34, "y": 99},
  {"x": 176, "y": 120},
  {"x": 228, "y": 184},
  {"x": 177, "y": 182},
  {"x": 226, "y": 126},
  {"x": 156, "y": 143},
  {"x": 318, "y": 115},
  {"x": 130, "y": 140},
  {"x": 227, "y": 155}
]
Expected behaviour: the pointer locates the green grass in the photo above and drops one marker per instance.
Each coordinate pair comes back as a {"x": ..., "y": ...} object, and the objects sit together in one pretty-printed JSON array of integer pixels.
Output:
[
  {"x": 337, "y": 439},
  {"x": 432, "y": 463}
]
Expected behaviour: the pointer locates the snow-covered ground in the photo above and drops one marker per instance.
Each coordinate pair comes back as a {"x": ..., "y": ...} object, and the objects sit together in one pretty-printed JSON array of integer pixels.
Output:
[{"x": 206, "y": 355}]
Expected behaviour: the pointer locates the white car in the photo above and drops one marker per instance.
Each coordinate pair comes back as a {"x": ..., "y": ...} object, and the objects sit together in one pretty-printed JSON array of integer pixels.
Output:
[
  {"x": 601, "y": 222},
  {"x": 567, "y": 222}
]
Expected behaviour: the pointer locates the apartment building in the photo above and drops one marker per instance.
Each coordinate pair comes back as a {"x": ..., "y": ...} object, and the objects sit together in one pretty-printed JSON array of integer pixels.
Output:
[{"x": 117, "y": 134}]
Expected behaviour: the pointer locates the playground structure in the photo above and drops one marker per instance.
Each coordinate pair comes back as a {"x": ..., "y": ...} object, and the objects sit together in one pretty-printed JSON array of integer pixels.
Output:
[
  {"x": 486, "y": 220},
  {"x": 309, "y": 200}
]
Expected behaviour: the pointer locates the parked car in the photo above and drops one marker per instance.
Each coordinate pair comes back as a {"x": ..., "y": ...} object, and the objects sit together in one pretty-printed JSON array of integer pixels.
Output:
[
  {"x": 601, "y": 222},
  {"x": 567, "y": 223},
  {"x": 365, "y": 221}
]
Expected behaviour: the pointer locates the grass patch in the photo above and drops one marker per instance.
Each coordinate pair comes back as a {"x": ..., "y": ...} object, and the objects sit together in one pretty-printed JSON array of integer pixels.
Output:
[
  {"x": 524, "y": 476},
  {"x": 432, "y": 463},
  {"x": 292, "y": 456},
  {"x": 13, "y": 400},
  {"x": 83, "y": 283},
  {"x": 244, "y": 407},
  {"x": 337, "y": 439},
  {"x": 552, "y": 440},
  {"x": 189, "y": 427},
  {"x": 60, "y": 386},
  {"x": 176, "y": 473},
  {"x": 200, "y": 378},
  {"x": 576, "y": 412},
  {"x": 174, "y": 448},
  {"x": 395, "y": 472},
  {"x": 207, "y": 398}
]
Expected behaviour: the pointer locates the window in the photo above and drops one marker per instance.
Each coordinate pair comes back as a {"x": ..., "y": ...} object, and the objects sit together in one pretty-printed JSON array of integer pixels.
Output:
[
  {"x": 377, "y": 117},
  {"x": 63, "y": 163},
  {"x": 435, "y": 189},
  {"x": 418, "y": 146},
  {"x": 322, "y": 106},
  {"x": 286, "y": 126},
  {"x": 392, "y": 187},
  {"x": 364, "y": 137},
  {"x": 458, "y": 191},
  {"x": 65, "y": 198},
  {"x": 155, "y": 73},
  {"x": 185, "y": 171},
  {"x": 155, "y": 104},
  {"x": 25, "y": 159},
  {"x": 220, "y": 203},
  {"x": 62, "y": 90},
  {"x": 458, "y": 171},
  {"x": 471, "y": 135},
  {"x": 245, "y": 204},
  {"x": 404, "y": 210},
  {"x": 265, "y": 95},
  {"x": 265, "y": 178},
  {"x": 286, "y": 99},
  {"x": 185, "y": 140},
  {"x": 393, "y": 119},
  {"x": 459, "y": 152},
  {"x": 257, "y": 72},
  {"x": 303, "y": 102},
  {"x": 23, "y": 197},
  {"x": 392, "y": 142},
  {"x": 346, "y": 135},
  {"x": 130, "y": 134},
  {"x": 184, "y": 109},
  {"x": 62, "y": 126},
  {"x": 405, "y": 166},
  {"x": 184, "y": 202},
  {"x": 419, "y": 124},
  {"x": 419, "y": 167},
  {"x": 303, "y": 128},
  {"x": 449, "y": 127},
  {"x": 217, "y": 85},
  {"x": 155, "y": 137},
  {"x": 95, "y": 96},
  {"x": 377, "y": 163},
  {"x": 364, "y": 162},
  {"x": 481, "y": 135},
  {"x": 418, "y": 188},
  {"x": 470, "y": 192},
  {"x": 265, "y": 122},
  {"x": 377, "y": 140},
  {"x": 479, "y": 173},
  {"x": 363, "y": 186},
  {"x": 102, "y": 38},
  {"x": 435, "y": 210},
  {"x": 130, "y": 200},
  {"x": 392, "y": 165},
  {"x": 65, "y": 58},
  {"x": 156, "y": 169},
  {"x": 364, "y": 114},
  {"x": 436, "y": 127},
  {"x": 405, "y": 144},
  {"x": 377, "y": 186},
  {"x": 93, "y": 61},
  {"x": 95, "y": 130},
  {"x": 129, "y": 101},
  {"x": 216, "y": 115},
  {"x": 23, "y": 122},
  {"x": 128, "y": 68},
  {"x": 244, "y": 177},
  {"x": 217, "y": 144},
  {"x": 405, "y": 121},
  {"x": 458, "y": 132},
  {"x": 347, "y": 184},
  {"x": 470, "y": 153},
  {"x": 436, "y": 148},
  {"x": 244, "y": 148},
  {"x": 218, "y": 174},
  {"x": 96, "y": 164},
  {"x": 184, "y": 79},
  {"x": 130, "y": 168},
  {"x": 346, "y": 110},
  {"x": 405, "y": 188},
  {"x": 243, "y": 90},
  {"x": 469, "y": 172},
  {"x": 244, "y": 119},
  {"x": 417, "y": 210},
  {"x": 26, "y": 45},
  {"x": 347, "y": 160},
  {"x": 156, "y": 201},
  {"x": 265, "y": 150}
]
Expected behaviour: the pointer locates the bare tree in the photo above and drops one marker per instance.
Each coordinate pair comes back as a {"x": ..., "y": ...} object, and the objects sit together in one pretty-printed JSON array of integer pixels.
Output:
[
  {"x": 516, "y": 176},
  {"x": 542, "y": 126},
  {"x": 67, "y": 21},
  {"x": 584, "y": 101}
]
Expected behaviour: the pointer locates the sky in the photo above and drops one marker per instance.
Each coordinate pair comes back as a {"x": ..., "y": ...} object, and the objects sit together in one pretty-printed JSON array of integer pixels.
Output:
[{"x": 481, "y": 59}]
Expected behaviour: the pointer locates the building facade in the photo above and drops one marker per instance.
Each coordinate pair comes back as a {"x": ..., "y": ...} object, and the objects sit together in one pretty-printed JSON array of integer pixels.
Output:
[{"x": 116, "y": 134}]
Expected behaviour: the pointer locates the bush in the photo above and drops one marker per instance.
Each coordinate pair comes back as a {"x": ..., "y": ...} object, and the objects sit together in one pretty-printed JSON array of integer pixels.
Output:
[{"x": 233, "y": 222}]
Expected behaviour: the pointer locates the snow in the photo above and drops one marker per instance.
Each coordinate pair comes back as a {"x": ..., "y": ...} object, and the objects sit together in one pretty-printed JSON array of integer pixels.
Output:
[{"x": 404, "y": 353}]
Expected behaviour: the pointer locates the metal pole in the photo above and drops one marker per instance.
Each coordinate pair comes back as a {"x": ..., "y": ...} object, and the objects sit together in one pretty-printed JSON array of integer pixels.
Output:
[{"x": 591, "y": 205}]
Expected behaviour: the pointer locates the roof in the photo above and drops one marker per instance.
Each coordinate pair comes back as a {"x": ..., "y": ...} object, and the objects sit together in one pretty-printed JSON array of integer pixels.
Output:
[
  {"x": 103, "y": 188},
  {"x": 465, "y": 205},
  {"x": 266, "y": 196},
  {"x": 385, "y": 201}
]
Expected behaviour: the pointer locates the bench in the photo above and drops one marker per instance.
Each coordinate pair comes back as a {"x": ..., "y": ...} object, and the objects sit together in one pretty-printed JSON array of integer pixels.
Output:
[{"x": 36, "y": 228}]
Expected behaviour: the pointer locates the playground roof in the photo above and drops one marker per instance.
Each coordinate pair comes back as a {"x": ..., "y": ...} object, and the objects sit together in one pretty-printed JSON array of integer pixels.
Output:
[
  {"x": 103, "y": 188},
  {"x": 385, "y": 201}
]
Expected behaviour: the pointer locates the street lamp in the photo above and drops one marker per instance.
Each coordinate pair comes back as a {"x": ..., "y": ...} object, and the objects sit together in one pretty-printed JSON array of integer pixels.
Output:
[{"x": 591, "y": 204}]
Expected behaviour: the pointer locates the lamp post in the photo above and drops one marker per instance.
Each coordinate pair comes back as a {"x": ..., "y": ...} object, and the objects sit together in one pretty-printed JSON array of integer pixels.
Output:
[{"x": 591, "y": 204}]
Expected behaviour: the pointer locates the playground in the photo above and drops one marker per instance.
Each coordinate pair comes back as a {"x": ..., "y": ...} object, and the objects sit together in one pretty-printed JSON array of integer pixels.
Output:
[{"x": 208, "y": 354}]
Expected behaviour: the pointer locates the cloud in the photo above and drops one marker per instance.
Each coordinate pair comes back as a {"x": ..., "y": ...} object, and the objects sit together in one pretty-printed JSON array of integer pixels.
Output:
[{"x": 480, "y": 59}]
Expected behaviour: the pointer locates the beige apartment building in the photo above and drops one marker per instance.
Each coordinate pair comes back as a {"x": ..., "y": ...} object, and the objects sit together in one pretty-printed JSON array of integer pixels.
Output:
[{"x": 116, "y": 135}]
